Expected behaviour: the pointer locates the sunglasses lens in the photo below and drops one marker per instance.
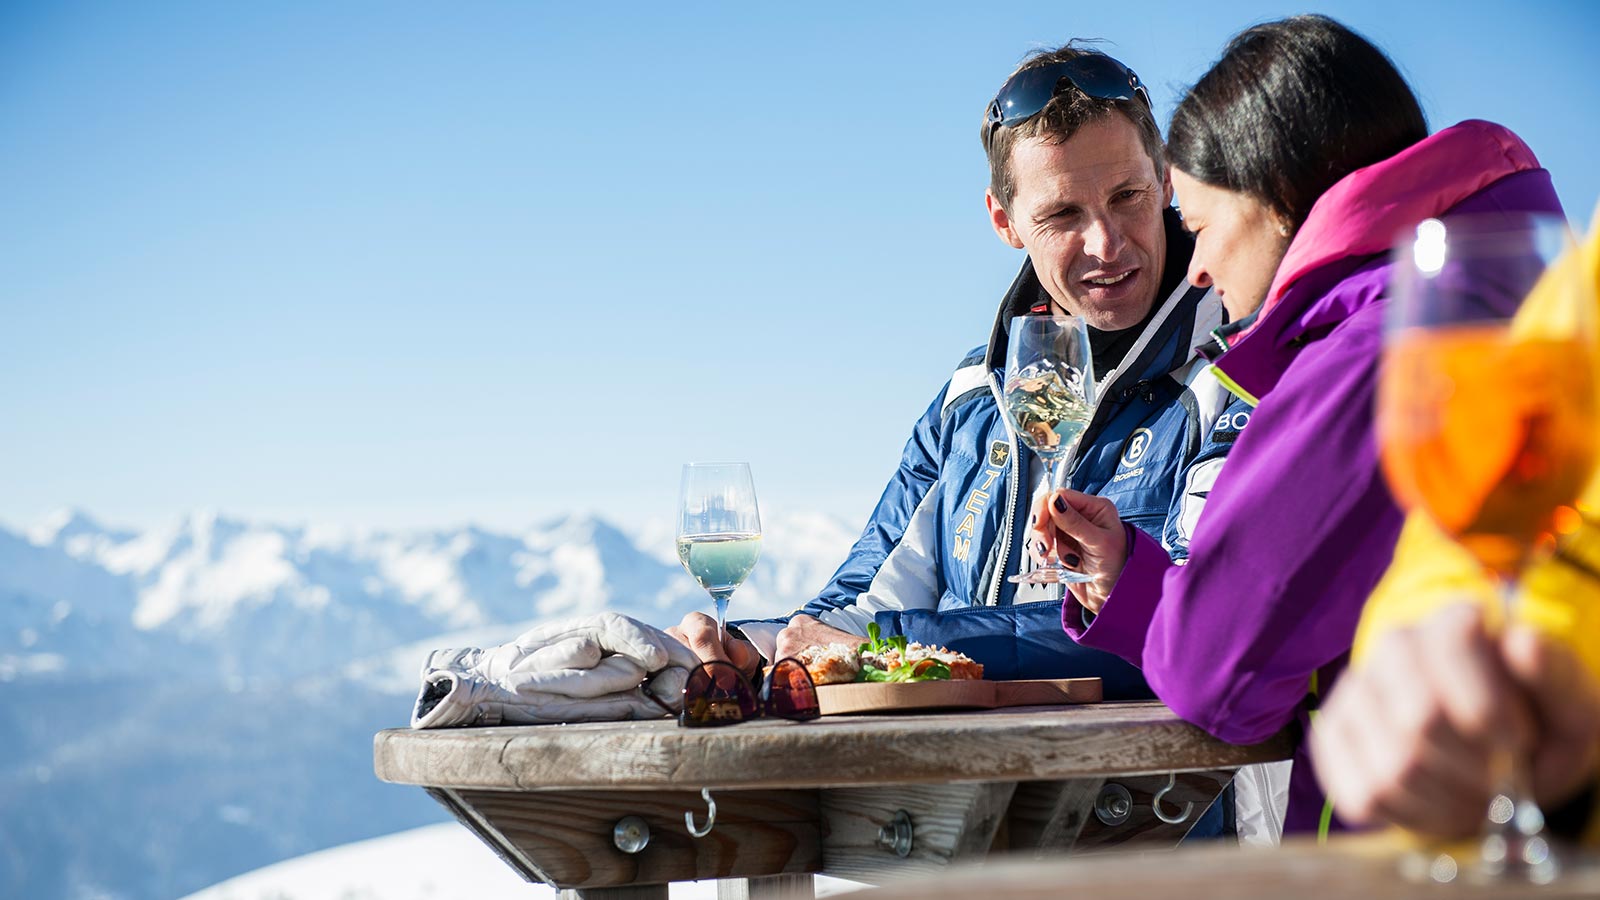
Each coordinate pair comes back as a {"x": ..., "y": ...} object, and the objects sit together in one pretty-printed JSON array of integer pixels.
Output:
[
  {"x": 716, "y": 694},
  {"x": 1094, "y": 74},
  {"x": 1025, "y": 94},
  {"x": 1102, "y": 77},
  {"x": 789, "y": 692}
]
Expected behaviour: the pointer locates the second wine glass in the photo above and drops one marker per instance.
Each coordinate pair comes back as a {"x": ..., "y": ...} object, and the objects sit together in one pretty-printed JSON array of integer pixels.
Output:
[
  {"x": 1486, "y": 417},
  {"x": 719, "y": 529}
]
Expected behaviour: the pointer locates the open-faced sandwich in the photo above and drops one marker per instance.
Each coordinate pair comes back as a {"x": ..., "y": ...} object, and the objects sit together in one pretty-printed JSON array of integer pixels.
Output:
[
  {"x": 891, "y": 660},
  {"x": 831, "y": 664}
]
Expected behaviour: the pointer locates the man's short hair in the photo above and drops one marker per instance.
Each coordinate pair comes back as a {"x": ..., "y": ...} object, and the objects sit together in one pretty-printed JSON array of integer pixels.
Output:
[{"x": 1069, "y": 110}]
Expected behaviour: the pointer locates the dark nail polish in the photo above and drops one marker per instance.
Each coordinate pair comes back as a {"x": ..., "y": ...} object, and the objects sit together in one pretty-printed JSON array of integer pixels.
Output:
[
  {"x": 1061, "y": 505},
  {"x": 1071, "y": 559}
]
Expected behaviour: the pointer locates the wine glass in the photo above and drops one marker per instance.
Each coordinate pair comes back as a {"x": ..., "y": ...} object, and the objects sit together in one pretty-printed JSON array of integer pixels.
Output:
[
  {"x": 1049, "y": 396},
  {"x": 1486, "y": 421},
  {"x": 719, "y": 529}
]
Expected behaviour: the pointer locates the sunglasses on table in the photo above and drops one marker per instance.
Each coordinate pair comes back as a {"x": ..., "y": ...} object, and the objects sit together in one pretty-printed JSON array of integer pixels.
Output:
[
  {"x": 716, "y": 693},
  {"x": 1031, "y": 90}
]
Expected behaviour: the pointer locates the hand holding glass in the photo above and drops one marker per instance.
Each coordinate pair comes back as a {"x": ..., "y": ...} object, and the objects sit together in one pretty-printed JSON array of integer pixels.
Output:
[
  {"x": 1049, "y": 395},
  {"x": 1486, "y": 417},
  {"x": 719, "y": 529}
]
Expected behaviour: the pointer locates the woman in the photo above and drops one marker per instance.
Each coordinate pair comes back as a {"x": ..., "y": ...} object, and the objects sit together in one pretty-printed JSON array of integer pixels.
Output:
[{"x": 1297, "y": 158}]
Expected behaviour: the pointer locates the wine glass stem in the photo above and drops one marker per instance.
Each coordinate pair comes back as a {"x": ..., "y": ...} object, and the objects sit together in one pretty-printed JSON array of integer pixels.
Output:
[
  {"x": 722, "y": 617},
  {"x": 1052, "y": 472},
  {"x": 1514, "y": 842},
  {"x": 1052, "y": 469}
]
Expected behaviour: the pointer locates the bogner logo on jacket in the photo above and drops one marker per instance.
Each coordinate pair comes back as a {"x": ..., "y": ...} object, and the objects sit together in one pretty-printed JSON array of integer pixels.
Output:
[{"x": 1132, "y": 453}]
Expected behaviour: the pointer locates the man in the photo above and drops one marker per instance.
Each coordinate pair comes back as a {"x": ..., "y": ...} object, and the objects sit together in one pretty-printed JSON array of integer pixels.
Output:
[{"x": 1078, "y": 180}]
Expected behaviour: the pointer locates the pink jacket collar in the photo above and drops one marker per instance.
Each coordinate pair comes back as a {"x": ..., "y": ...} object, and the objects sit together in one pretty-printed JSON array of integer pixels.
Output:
[{"x": 1362, "y": 213}]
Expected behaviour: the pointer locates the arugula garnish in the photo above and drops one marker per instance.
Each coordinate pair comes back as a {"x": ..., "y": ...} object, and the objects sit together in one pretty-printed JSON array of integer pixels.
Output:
[
  {"x": 924, "y": 670},
  {"x": 876, "y": 644}
]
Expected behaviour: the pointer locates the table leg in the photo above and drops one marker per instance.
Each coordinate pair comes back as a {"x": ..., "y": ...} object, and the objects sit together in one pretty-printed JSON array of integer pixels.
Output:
[
  {"x": 1045, "y": 817},
  {"x": 627, "y": 892},
  {"x": 772, "y": 887}
]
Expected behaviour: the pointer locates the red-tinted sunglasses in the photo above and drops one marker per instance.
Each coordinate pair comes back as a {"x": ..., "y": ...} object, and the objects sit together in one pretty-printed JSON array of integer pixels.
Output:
[{"x": 719, "y": 694}]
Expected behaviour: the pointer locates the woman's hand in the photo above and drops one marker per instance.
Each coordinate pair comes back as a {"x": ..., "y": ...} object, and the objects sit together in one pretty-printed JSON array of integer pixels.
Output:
[{"x": 1086, "y": 534}]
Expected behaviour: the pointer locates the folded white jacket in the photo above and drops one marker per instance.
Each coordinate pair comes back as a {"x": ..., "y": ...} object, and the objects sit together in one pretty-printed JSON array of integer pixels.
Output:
[{"x": 580, "y": 670}]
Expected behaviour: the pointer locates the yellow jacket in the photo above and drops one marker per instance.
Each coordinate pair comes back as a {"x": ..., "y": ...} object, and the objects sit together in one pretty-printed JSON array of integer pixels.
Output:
[{"x": 1560, "y": 596}]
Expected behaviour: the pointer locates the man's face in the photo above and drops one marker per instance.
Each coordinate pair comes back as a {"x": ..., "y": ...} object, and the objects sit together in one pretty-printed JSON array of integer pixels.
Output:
[{"x": 1088, "y": 211}]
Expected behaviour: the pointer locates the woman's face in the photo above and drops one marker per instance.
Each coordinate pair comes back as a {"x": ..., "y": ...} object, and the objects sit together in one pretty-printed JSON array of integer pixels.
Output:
[{"x": 1238, "y": 243}]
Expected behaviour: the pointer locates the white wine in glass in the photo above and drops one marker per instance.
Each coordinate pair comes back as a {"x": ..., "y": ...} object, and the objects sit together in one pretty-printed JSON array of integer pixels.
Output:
[
  {"x": 719, "y": 529},
  {"x": 1049, "y": 395}
]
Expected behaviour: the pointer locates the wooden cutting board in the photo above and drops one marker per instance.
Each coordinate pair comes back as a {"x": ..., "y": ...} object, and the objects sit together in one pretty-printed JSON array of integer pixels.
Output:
[{"x": 867, "y": 697}]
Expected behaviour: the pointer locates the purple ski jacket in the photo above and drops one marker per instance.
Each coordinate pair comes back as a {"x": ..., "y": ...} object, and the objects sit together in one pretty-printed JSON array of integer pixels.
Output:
[{"x": 1299, "y": 525}]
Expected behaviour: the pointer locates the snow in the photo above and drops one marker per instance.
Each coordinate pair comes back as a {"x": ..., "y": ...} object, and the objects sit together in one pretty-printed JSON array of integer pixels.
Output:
[
  {"x": 139, "y": 556},
  {"x": 429, "y": 576},
  {"x": 438, "y": 862}
]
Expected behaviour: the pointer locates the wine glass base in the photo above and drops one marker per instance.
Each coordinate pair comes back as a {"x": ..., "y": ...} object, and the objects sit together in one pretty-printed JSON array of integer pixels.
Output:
[
  {"x": 1050, "y": 576},
  {"x": 1517, "y": 858},
  {"x": 1482, "y": 862}
]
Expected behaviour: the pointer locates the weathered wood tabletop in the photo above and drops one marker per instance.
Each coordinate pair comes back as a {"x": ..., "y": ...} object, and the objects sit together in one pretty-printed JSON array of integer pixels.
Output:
[
  {"x": 1368, "y": 867},
  {"x": 821, "y": 796}
]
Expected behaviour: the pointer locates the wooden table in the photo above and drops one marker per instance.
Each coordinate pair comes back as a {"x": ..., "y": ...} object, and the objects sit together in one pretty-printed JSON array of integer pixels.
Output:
[
  {"x": 824, "y": 796},
  {"x": 1365, "y": 867}
]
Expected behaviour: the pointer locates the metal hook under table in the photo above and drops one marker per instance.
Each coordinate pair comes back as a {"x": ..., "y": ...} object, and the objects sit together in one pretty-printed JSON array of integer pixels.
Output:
[
  {"x": 711, "y": 816},
  {"x": 1155, "y": 803}
]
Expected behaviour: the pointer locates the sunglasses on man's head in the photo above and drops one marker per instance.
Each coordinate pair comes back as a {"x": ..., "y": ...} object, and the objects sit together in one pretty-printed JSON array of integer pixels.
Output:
[
  {"x": 1031, "y": 90},
  {"x": 719, "y": 694}
]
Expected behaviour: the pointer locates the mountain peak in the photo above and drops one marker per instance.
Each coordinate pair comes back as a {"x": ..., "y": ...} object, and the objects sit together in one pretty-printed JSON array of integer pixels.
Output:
[
  {"x": 61, "y": 525},
  {"x": 207, "y": 521}
]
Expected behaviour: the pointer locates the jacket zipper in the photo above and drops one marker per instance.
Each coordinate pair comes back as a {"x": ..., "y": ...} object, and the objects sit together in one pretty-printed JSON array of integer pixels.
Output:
[{"x": 1004, "y": 559}]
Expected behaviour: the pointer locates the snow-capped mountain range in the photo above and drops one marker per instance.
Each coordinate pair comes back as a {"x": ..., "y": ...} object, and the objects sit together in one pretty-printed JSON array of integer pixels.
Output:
[{"x": 187, "y": 703}]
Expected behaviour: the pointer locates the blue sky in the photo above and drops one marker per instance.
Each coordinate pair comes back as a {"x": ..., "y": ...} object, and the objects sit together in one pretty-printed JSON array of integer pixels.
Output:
[{"x": 403, "y": 264}]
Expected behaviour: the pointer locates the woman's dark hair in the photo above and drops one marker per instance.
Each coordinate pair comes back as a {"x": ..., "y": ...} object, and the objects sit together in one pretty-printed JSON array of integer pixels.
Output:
[{"x": 1290, "y": 108}]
